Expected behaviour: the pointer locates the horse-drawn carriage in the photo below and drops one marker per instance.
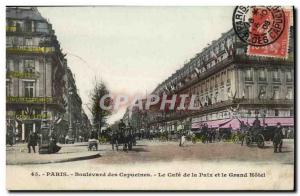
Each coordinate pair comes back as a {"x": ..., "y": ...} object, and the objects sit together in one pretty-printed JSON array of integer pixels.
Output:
[
  {"x": 225, "y": 134},
  {"x": 260, "y": 135},
  {"x": 199, "y": 136},
  {"x": 123, "y": 137}
]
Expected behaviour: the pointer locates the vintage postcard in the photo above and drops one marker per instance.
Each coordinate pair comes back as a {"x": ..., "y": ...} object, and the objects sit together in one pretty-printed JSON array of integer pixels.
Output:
[{"x": 153, "y": 98}]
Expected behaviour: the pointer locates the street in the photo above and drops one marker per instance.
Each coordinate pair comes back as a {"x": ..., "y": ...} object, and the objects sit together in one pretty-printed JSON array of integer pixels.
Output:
[
  {"x": 165, "y": 158},
  {"x": 153, "y": 150}
]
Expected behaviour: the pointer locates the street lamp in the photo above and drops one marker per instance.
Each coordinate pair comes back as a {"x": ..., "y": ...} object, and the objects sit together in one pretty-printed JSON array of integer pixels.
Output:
[{"x": 70, "y": 131}]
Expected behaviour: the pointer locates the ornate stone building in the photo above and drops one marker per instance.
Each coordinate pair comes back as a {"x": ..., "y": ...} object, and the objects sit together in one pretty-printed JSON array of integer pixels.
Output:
[
  {"x": 37, "y": 77},
  {"x": 229, "y": 84}
]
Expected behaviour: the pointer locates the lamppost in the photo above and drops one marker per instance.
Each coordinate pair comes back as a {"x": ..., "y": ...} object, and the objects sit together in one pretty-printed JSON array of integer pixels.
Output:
[
  {"x": 70, "y": 93},
  {"x": 77, "y": 125}
]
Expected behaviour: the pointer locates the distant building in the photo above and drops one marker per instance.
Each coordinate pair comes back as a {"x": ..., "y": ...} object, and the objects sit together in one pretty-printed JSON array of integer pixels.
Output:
[
  {"x": 73, "y": 105},
  {"x": 86, "y": 127}
]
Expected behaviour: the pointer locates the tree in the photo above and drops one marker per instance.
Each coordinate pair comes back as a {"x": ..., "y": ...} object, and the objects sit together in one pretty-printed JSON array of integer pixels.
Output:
[{"x": 99, "y": 114}]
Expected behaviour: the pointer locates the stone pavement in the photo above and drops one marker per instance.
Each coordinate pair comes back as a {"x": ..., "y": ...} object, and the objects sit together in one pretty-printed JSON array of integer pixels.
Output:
[{"x": 18, "y": 154}]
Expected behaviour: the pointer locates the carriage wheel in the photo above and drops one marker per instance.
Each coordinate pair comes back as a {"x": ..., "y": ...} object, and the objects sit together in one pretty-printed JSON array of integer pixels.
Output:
[
  {"x": 248, "y": 140},
  {"x": 260, "y": 141}
]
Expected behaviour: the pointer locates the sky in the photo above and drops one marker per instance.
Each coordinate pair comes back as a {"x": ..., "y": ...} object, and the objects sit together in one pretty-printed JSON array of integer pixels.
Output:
[{"x": 132, "y": 49}]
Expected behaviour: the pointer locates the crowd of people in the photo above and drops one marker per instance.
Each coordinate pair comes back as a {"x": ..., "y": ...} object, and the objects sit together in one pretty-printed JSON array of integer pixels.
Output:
[{"x": 126, "y": 135}]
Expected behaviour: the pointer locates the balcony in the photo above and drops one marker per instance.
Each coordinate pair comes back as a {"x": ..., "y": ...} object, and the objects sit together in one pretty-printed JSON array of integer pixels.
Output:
[
  {"x": 262, "y": 79},
  {"x": 31, "y": 100},
  {"x": 11, "y": 29},
  {"x": 23, "y": 75},
  {"x": 29, "y": 49},
  {"x": 248, "y": 79},
  {"x": 263, "y": 60},
  {"x": 50, "y": 101},
  {"x": 264, "y": 102},
  {"x": 23, "y": 30},
  {"x": 276, "y": 79},
  {"x": 238, "y": 60},
  {"x": 184, "y": 114}
]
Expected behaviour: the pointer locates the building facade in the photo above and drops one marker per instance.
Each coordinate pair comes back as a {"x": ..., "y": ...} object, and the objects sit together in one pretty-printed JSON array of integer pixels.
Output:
[
  {"x": 37, "y": 76},
  {"x": 73, "y": 106},
  {"x": 228, "y": 84}
]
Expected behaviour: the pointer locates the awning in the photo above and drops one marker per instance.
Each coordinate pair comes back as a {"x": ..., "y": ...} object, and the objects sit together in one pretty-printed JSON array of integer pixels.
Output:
[
  {"x": 211, "y": 124},
  {"x": 284, "y": 121},
  {"x": 233, "y": 123},
  {"x": 217, "y": 123}
]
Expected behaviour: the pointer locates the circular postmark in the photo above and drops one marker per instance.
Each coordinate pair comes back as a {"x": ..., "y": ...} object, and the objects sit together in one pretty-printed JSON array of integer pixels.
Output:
[{"x": 258, "y": 25}]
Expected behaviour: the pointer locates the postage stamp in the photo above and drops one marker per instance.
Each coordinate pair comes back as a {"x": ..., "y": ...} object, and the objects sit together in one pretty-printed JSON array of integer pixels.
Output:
[{"x": 264, "y": 29}]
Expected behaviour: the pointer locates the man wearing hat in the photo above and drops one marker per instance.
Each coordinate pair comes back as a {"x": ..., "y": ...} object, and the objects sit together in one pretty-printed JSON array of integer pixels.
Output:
[{"x": 277, "y": 140}]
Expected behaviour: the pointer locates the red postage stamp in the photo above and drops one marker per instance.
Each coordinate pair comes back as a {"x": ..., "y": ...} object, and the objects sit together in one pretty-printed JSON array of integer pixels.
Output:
[
  {"x": 264, "y": 28},
  {"x": 279, "y": 48}
]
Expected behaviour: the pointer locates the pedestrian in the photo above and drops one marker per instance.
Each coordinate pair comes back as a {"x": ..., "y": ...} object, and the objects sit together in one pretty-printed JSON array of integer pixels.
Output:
[
  {"x": 114, "y": 140},
  {"x": 32, "y": 141},
  {"x": 277, "y": 140},
  {"x": 53, "y": 148},
  {"x": 182, "y": 140}
]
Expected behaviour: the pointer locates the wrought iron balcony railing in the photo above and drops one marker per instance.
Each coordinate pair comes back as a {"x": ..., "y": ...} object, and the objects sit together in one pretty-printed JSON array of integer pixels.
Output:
[
  {"x": 29, "y": 49},
  {"x": 32, "y": 100},
  {"x": 25, "y": 75},
  {"x": 11, "y": 28}
]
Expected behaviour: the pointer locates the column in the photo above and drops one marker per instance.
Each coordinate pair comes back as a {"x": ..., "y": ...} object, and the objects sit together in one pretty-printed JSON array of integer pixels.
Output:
[
  {"x": 33, "y": 127},
  {"x": 23, "y": 131}
]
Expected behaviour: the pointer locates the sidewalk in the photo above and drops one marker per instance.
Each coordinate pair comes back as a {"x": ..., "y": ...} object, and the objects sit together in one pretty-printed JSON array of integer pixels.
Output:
[{"x": 18, "y": 154}]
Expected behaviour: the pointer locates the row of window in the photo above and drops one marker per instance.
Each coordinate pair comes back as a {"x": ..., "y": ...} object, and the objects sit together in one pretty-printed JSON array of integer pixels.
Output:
[
  {"x": 193, "y": 67},
  {"x": 15, "y": 41},
  {"x": 225, "y": 77},
  {"x": 28, "y": 87},
  {"x": 248, "y": 113},
  {"x": 262, "y": 76},
  {"x": 248, "y": 93},
  {"x": 28, "y": 65},
  {"x": 28, "y": 26},
  {"x": 263, "y": 93}
]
